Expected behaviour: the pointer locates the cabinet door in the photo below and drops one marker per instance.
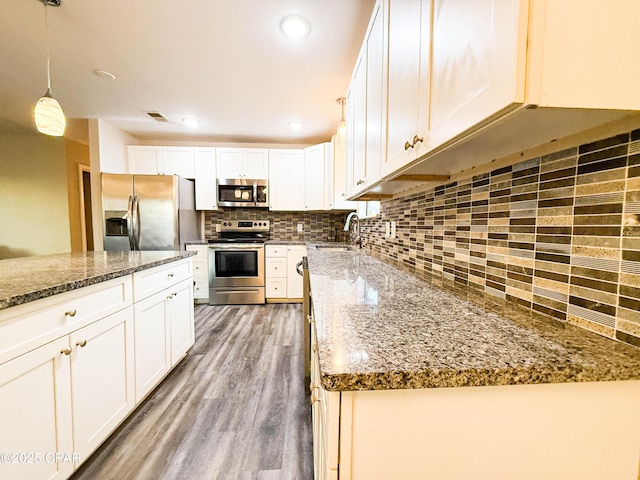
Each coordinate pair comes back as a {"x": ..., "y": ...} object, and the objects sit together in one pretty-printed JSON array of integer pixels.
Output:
[
  {"x": 340, "y": 189},
  {"x": 408, "y": 47},
  {"x": 294, "y": 280},
  {"x": 181, "y": 319},
  {"x": 205, "y": 172},
  {"x": 375, "y": 97},
  {"x": 479, "y": 53},
  {"x": 145, "y": 160},
  {"x": 102, "y": 376},
  {"x": 178, "y": 161},
  {"x": 151, "y": 342},
  {"x": 356, "y": 141},
  {"x": 256, "y": 163},
  {"x": 286, "y": 180},
  {"x": 229, "y": 162},
  {"x": 35, "y": 395},
  {"x": 314, "y": 173}
]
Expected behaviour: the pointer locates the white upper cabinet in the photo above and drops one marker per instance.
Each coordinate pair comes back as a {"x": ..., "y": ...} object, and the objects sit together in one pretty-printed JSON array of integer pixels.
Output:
[
  {"x": 366, "y": 107},
  {"x": 340, "y": 201},
  {"x": 286, "y": 179},
  {"x": 470, "y": 82},
  {"x": 243, "y": 163},
  {"x": 408, "y": 82},
  {"x": 150, "y": 160},
  {"x": 478, "y": 64},
  {"x": 179, "y": 161},
  {"x": 205, "y": 171},
  {"x": 314, "y": 177}
]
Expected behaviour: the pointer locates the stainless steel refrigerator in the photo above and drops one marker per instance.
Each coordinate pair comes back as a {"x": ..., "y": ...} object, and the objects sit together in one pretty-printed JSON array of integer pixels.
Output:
[{"x": 148, "y": 212}]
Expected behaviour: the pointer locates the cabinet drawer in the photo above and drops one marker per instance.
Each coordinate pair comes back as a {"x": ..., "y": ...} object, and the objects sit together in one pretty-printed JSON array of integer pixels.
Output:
[
  {"x": 276, "y": 267},
  {"x": 202, "y": 251},
  {"x": 200, "y": 266},
  {"x": 276, "y": 288},
  {"x": 276, "y": 251},
  {"x": 25, "y": 327},
  {"x": 201, "y": 289},
  {"x": 148, "y": 282}
]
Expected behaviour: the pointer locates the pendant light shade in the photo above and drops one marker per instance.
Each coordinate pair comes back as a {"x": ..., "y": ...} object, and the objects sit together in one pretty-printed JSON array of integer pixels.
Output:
[
  {"x": 49, "y": 116},
  {"x": 48, "y": 113}
]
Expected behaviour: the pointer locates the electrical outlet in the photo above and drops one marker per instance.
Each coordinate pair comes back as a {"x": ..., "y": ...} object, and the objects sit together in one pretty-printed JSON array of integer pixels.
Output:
[
  {"x": 393, "y": 229},
  {"x": 387, "y": 229},
  {"x": 217, "y": 227},
  {"x": 300, "y": 227}
]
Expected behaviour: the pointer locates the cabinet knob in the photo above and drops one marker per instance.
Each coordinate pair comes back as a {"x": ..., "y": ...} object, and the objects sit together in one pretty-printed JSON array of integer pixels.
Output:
[
  {"x": 70, "y": 313},
  {"x": 310, "y": 318},
  {"x": 315, "y": 347},
  {"x": 417, "y": 139},
  {"x": 66, "y": 351},
  {"x": 407, "y": 146},
  {"x": 81, "y": 344},
  {"x": 170, "y": 275},
  {"x": 314, "y": 399}
]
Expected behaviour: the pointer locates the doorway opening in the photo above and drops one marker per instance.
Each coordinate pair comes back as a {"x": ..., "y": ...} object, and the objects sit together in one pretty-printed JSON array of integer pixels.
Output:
[{"x": 86, "y": 218}]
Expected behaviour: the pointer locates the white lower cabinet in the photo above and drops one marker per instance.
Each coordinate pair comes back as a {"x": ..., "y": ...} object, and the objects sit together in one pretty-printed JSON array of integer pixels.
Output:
[
  {"x": 163, "y": 333},
  {"x": 492, "y": 432},
  {"x": 73, "y": 366},
  {"x": 283, "y": 283},
  {"x": 200, "y": 272},
  {"x": 102, "y": 379},
  {"x": 36, "y": 418}
]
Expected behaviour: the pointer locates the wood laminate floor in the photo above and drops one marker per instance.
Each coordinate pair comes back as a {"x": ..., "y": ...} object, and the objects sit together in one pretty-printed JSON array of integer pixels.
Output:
[{"x": 235, "y": 408}]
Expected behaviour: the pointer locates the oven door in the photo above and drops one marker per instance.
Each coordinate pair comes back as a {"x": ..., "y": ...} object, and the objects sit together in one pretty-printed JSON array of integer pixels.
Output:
[{"x": 236, "y": 265}]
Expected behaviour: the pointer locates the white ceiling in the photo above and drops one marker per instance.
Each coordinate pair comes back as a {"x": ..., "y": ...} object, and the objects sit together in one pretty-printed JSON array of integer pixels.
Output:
[{"x": 223, "y": 61}]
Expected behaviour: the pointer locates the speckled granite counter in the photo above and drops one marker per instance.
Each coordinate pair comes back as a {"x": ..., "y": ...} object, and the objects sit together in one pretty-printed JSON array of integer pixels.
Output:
[
  {"x": 381, "y": 328},
  {"x": 31, "y": 278}
]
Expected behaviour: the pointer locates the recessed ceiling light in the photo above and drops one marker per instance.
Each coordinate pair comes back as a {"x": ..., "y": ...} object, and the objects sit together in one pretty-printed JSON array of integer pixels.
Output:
[
  {"x": 295, "y": 26},
  {"x": 103, "y": 74},
  {"x": 295, "y": 125},
  {"x": 191, "y": 122}
]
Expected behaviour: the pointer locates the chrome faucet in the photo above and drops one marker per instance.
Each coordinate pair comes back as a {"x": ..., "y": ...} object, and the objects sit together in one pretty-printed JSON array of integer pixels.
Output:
[{"x": 347, "y": 226}]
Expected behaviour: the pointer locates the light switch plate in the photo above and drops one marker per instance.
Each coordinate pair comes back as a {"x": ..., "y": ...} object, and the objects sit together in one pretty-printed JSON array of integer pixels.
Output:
[
  {"x": 300, "y": 227},
  {"x": 393, "y": 229},
  {"x": 217, "y": 227},
  {"x": 387, "y": 229}
]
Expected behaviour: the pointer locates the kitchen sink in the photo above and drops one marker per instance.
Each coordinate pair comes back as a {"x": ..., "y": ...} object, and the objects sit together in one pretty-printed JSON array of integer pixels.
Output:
[{"x": 333, "y": 248}]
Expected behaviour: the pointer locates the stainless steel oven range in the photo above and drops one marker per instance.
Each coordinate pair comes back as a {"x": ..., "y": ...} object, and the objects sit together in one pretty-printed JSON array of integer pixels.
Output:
[{"x": 236, "y": 263}]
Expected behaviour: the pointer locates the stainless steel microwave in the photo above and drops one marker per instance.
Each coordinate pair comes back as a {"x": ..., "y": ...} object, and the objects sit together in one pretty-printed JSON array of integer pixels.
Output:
[{"x": 242, "y": 192}]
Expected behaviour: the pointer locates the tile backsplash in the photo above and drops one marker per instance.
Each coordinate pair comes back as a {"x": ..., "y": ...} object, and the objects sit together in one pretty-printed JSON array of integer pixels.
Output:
[
  {"x": 316, "y": 226},
  {"x": 559, "y": 234}
]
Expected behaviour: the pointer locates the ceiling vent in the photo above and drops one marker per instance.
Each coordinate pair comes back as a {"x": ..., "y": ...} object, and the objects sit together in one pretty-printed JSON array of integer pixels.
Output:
[{"x": 158, "y": 117}]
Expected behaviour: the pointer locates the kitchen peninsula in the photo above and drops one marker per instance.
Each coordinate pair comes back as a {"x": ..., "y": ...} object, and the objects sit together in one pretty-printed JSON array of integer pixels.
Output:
[
  {"x": 419, "y": 378},
  {"x": 84, "y": 337}
]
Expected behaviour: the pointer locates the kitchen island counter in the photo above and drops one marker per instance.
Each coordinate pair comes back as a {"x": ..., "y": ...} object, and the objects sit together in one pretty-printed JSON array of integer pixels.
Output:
[
  {"x": 381, "y": 328},
  {"x": 31, "y": 278}
]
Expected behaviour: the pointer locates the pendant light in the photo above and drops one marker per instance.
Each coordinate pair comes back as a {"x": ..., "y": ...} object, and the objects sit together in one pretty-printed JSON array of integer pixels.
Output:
[
  {"x": 342, "y": 126},
  {"x": 49, "y": 116}
]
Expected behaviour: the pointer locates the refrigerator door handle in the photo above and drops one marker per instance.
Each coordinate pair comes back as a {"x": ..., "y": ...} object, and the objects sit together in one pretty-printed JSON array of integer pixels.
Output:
[
  {"x": 130, "y": 223},
  {"x": 136, "y": 221}
]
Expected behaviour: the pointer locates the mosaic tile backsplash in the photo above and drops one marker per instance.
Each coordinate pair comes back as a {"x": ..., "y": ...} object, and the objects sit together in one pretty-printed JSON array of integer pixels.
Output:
[
  {"x": 316, "y": 226},
  {"x": 559, "y": 234}
]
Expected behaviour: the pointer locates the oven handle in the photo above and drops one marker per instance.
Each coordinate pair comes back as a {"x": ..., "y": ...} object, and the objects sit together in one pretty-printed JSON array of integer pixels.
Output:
[
  {"x": 237, "y": 246},
  {"x": 255, "y": 192}
]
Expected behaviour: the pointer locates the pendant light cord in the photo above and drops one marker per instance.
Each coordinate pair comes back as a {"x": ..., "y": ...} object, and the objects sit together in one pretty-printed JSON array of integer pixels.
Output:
[{"x": 46, "y": 27}]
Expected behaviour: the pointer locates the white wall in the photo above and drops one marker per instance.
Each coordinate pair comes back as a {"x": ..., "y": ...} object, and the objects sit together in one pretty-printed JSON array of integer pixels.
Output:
[
  {"x": 107, "y": 144},
  {"x": 34, "y": 207}
]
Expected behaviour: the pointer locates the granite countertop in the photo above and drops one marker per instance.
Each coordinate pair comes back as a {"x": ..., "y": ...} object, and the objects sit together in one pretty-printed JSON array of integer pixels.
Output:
[
  {"x": 379, "y": 327},
  {"x": 31, "y": 278}
]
